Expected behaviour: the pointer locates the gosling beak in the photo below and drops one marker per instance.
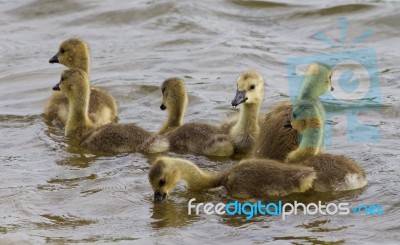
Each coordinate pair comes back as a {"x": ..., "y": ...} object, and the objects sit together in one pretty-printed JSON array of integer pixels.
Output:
[
  {"x": 54, "y": 59},
  {"x": 332, "y": 89},
  {"x": 56, "y": 87},
  {"x": 158, "y": 196},
  {"x": 288, "y": 124},
  {"x": 240, "y": 97},
  {"x": 163, "y": 107}
]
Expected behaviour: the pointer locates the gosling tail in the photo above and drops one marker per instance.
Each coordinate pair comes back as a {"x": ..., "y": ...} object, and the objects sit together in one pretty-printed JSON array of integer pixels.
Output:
[{"x": 353, "y": 181}]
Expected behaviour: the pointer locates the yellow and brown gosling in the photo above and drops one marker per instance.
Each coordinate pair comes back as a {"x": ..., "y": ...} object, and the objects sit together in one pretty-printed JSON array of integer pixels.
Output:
[
  {"x": 334, "y": 173},
  {"x": 113, "y": 138},
  {"x": 251, "y": 178},
  {"x": 275, "y": 141},
  {"x": 200, "y": 138},
  {"x": 74, "y": 53},
  {"x": 250, "y": 94}
]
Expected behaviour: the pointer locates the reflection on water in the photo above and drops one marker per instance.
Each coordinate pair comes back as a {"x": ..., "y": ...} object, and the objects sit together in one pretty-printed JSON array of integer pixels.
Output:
[{"x": 53, "y": 191}]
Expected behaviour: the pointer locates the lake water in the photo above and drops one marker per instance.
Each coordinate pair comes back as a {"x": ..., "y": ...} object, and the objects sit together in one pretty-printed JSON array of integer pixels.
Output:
[{"x": 53, "y": 192}]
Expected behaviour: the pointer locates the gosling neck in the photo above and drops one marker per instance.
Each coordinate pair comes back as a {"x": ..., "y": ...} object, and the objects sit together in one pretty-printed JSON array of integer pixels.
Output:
[
  {"x": 312, "y": 137},
  {"x": 174, "y": 119},
  {"x": 85, "y": 65},
  {"x": 78, "y": 111},
  {"x": 308, "y": 89},
  {"x": 196, "y": 179},
  {"x": 248, "y": 118},
  {"x": 83, "y": 62}
]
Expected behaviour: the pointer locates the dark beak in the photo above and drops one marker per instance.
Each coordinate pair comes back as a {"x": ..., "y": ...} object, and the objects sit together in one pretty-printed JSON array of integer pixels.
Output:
[
  {"x": 158, "y": 196},
  {"x": 288, "y": 124},
  {"x": 163, "y": 107},
  {"x": 54, "y": 59},
  {"x": 332, "y": 89},
  {"x": 239, "y": 98},
  {"x": 56, "y": 87}
]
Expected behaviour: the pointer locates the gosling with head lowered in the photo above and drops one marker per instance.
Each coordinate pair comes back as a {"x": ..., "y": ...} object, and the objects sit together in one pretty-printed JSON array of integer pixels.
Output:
[
  {"x": 74, "y": 53},
  {"x": 113, "y": 138},
  {"x": 334, "y": 173},
  {"x": 252, "y": 178}
]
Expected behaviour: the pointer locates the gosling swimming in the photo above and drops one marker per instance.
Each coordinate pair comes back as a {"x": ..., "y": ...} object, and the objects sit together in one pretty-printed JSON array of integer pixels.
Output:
[
  {"x": 250, "y": 94},
  {"x": 334, "y": 173},
  {"x": 200, "y": 138},
  {"x": 275, "y": 141},
  {"x": 113, "y": 138},
  {"x": 74, "y": 53},
  {"x": 207, "y": 139},
  {"x": 252, "y": 178}
]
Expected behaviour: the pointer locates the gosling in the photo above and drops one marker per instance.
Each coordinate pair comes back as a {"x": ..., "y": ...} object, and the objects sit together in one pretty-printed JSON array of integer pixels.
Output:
[
  {"x": 275, "y": 141},
  {"x": 200, "y": 138},
  {"x": 250, "y": 93},
  {"x": 74, "y": 53},
  {"x": 112, "y": 138},
  {"x": 252, "y": 178},
  {"x": 334, "y": 173}
]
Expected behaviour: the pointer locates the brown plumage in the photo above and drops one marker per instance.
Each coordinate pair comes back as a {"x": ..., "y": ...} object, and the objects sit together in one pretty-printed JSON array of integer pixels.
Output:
[
  {"x": 113, "y": 138},
  {"x": 200, "y": 138},
  {"x": 275, "y": 141},
  {"x": 74, "y": 53},
  {"x": 118, "y": 138},
  {"x": 251, "y": 178}
]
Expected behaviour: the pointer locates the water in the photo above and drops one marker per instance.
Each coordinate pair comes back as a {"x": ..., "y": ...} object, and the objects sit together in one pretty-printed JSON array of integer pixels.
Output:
[{"x": 52, "y": 191}]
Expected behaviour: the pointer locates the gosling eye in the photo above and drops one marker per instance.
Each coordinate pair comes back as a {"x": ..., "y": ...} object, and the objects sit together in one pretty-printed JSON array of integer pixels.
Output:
[
  {"x": 294, "y": 115},
  {"x": 252, "y": 86},
  {"x": 62, "y": 50},
  {"x": 163, "y": 90},
  {"x": 161, "y": 182}
]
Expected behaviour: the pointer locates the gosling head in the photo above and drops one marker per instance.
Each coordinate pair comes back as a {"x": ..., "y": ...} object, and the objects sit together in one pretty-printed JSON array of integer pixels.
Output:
[
  {"x": 163, "y": 177},
  {"x": 73, "y": 84},
  {"x": 174, "y": 94},
  {"x": 305, "y": 114},
  {"x": 72, "y": 53},
  {"x": 250, "y": 89},
  {"x": 319, "y": 79}
]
